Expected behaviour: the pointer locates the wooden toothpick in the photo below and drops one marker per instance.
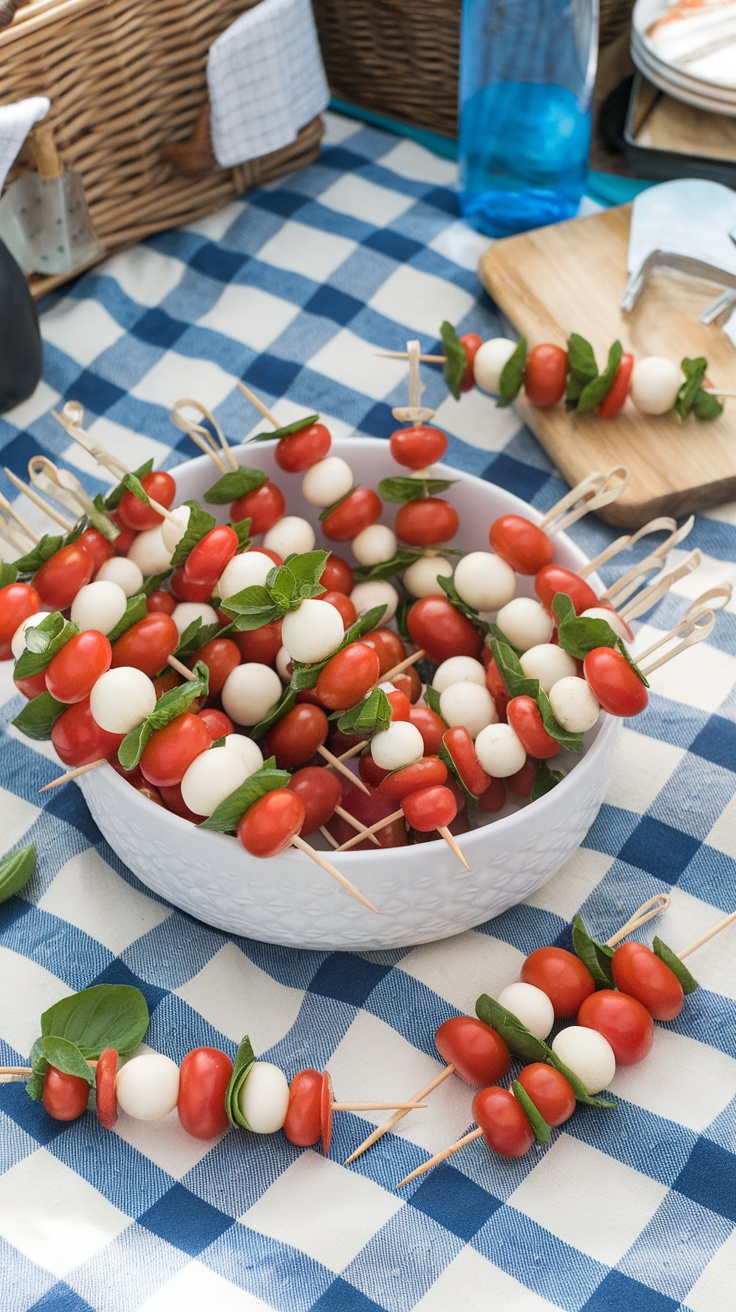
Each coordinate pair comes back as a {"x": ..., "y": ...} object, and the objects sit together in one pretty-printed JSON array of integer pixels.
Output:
[
  {"x": 322, "y": 861},
  {"x": 73, "y": 774},
  {"x": 389, "y": 1124},
  {"x": 441, "y": 1157},
  {"x": 33, "y": 496},
  {"x": 260, "y": 407},
  {"x": 336, "y": 763},
  {"x": 654, "y": 906}
]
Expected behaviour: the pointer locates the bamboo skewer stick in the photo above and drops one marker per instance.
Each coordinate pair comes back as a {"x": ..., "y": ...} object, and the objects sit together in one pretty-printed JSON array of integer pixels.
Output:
[
  {"x": 403, "y": 665},
  {"x": 13, "y": 514},
  {"x": 322, "y": 861},
  {"x": 372, "y": 829},
  {"x": 356, "y": 824},
  {"x": 452, "y": 844},
  {"x": 403, "y": 355},
  {"x": 217, "y": 449},
  {"x": 73, "y": 774},
  {"x": 705, "y": 938},
  {"x": 654, "y": 906},
  {"x": 328, "y": 836},
  {"x": 375, "y": 1106},
  {"x": 353, "y": 751},
  {"x": 33, "y": 496},
  {"x": 415, "y": 412},
  {"x": 441, "y": 1157},
  {"x": 337, "y": 764},
  {"x": 12, "y": 534},
  {"x": 692, "y": 630},
  {"x": 180, "y": 668},
  {"x": 260, "y": 407},
  {"x": 610, "y": 486},
  {"x": 650, "y": 595},
  {"x": 389, "y": 1124}
]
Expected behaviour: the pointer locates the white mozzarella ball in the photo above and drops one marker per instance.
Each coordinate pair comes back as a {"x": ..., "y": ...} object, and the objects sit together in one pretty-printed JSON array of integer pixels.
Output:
[
  {"x": 248, "y": 570},
  {"x": 147, "y": 1087},
  {"x": 619, "y": 626},
  {"x": 174, "y": 527},
  {"x": 548, "y": 663},
  {"x": 374, "y": 544},
  {"x": 588, "y": 1055},
  {"x": 211, "y": 778},
  {"x": 123, "y": 571},
  {"x": 470, "y": 705},
  {"x": 264, "y": 1098},
  {"x": 484, "y": 581},
  {"x": 150, "y": 553},
  {"x": 245, "y": 747},
  {"x": 489, "y": 361},
  {"x": 99, "y": 606},
  {"x": 378, "y": 592},
  {"x": 574, "y": 704},
  {"x": 458, "y": 669},
  {"x": 186, "y": 612},
  {"x": 524, "y": 623},
  {"x": 399, "y": 745},
  {"x": 327, "y": 481},
  {"x": 290, "y": 535},
  {"x": 531, "y": 1006},
  {"x": 283, "y": 665},
  {"x": 420, "y": 578},
  {"x": 121, "y": 699},
  {"x": 18, "y": 640},
  {"x": 250, "y": 692},
  {"x": 655, "y": 382},
  {"x": 313, "y": 631},
  {"x": 499, "y": 751}
]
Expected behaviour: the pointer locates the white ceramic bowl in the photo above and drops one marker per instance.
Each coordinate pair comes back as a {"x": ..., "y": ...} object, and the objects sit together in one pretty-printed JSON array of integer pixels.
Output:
[{"x": 423, "y": 892}]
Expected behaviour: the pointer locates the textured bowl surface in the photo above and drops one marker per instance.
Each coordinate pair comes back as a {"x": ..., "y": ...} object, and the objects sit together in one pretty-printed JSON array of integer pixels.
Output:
[{"x": 422, "y": 892}]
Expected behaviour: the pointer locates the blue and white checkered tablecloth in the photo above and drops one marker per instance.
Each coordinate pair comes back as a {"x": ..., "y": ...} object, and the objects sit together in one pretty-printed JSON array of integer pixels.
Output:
[{"x": 631, "y": 1210}]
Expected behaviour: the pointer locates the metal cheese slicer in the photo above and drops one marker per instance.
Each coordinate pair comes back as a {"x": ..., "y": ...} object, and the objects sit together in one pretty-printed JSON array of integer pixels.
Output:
[{"x": 684, "y": 225}]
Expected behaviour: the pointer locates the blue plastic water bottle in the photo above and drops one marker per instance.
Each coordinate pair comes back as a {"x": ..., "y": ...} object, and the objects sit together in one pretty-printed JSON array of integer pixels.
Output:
[{"x": 526, "y": 76}]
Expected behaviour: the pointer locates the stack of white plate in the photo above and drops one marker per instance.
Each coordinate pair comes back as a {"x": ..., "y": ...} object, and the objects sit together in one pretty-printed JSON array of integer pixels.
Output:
[{"x": 704, "y": 73}]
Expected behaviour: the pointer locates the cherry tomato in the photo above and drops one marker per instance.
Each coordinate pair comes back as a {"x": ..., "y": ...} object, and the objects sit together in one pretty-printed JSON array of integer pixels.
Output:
[
  {"x": 361, "y": 508},
  {"x": 623, "y": 1021},
  {"x": 471, "y": 344},
  {"x": 545, "y": 375},
  {"x": 348, "y": 677},
  {"x": 220, "y": 655},
  {"x": 494, "y": 797},
  {"x": 74, "y": 669},
  {"x": 615, "y": 398},
  {"x": 497, "y": 688},
  {"x": 299, "y": 451},
  {"x": 477, "y": 1052},
  {"x": 552, "y": 579},
  {"x": 371, "y": 773},
  {"x": 126, "y": 536},
  {"x": 342, "y": 603},
  {"x": 166, "y": 681},
  {"x": 320, "y": 791},
  {"x": 418, "y": 446},
  {"x": 552, "y": 1095},
  {"x": 185, "y": 589},
  {"x": 617, "y": 686},
  {"x": 208, "y": 558},
  {"x": 161, "y": 602},
  {"x": 170, "y": 751},
  {"x": 18, "y": 601},
  {"x": 59, "y": 579},
  {"x": 271, "y": 823},
  {"x": 525, "y": 718},
  {"x": 98, "y": 547},
  {"x": 400, "y": 705},
  {"x": 421, "y": 774},
  {"x": 644, "y": 976},
  {"x": 303, "y": 1124},
  {"x": 459, "y": 746},
  {"x": 33, "y": 686},
  {"x": 521, "y": 783},
  {"x": 368, "y": 809},
  {"x": 408, "y": 682},
  {"x": 64, "y": 1096},
  {"x": 503, "y": 1121},
  {"x": 562, "y": 976},
  {"x": 147, "y": 644},
  {"x": 203, "y": 1079},
  {"x": 296, "y": 737},
  {"x": 523, "y": 545},
  {"x": 260, "y": 645},
  {"x": 174, "y": 802},
  {"x": 325, "y": 1111},
  {"x": 337, "y": 575},
  {"x": 442, "y": 631},
  {"x": 389, "y": 647},
  {"x": 107, "y": 1103},
  {"x": 430, "y": 808},
  {"x": 218, "y": 723},
  {"x": 263, "y": 507},
  {"x": 425, "y": 521},
  {"x": 79, "y": 740},
  {"x": 430, "y": 726},
  {"x": 135, "y": 514}
]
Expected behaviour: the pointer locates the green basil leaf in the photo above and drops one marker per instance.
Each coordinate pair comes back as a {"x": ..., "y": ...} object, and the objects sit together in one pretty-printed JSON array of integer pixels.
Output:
[
  {"x": 306, "y": 568},
  {"x": 44, "y": 549},
  {"x": 596, "y": 956},
  {"x": 678, "y": 968},
  {"x": 512, "y": 375},
  {"x": 563, "y": 608},
  {"x": 545, "y": 780},
  {"x": 252, "y": 608},
  {"x": 516, "y": 1036},
  {"x": 135, "y": 610},
  {"x": 579, "y": 636},
  {"x": 242, "y": 529},
  {"x": 132, "y": 483},
  {"x": 43, "y": 641},
  {"x": 152, "y": 584},
  {"x": 305, "y": 676},
  {"x": 286, "y": 431},
  {"x": 452, "y": 594},
  {"x": 66, "y": 1057},
  {"x": 103, "y": 1016},
  {"x": 455, "y": 359},
  {"x": 39, "y": 1067},
  {"x": 706, "y": 405},
  {"x": 113, "y": 499},
  {"x": 578, "y": 1088},
  {"x": 432, "y": 700},
  {"x": 284, "y": 704},
  {"x": 370, "y": 716},
  {"x": 385, "y": 569},
  {"x": 8, "y": 573},
  {"x": 621, "y": 646},
  {"x": 540, "y": 1128},
  {"x": 598, "y": 388},
  {"x": 196, "y": 635},
  {"x": 694, "y": 371},
  {"x": 172, "y": 704},
  {"x": 244, "y": 1062},
  {"x": 227, "y": 816},
  {"x": 233, "y": 485},
  {"x": 325, "y": 514},
  {"x": 402, "y": 611},
  {"x": 39, "y": 716},
  {"x": 15, "y": 870},
  {"x": 200, "y": 523},
  {"x": 582, "y": 368},
  {"x": 509, "y": 667},
  {"x": 400, "y": 490}
]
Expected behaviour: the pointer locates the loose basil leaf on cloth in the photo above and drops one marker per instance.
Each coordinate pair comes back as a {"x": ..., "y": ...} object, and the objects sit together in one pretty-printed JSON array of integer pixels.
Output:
[
  {"x": 227, "y": 816},
  {"x": 233, "y": 485},
  {"x": 286, "y": 431},
  {"x": 43, "y": 641},
  {"x": 200, "y": 523},
  {"x": 540, "y": 1128},
  {"x": 39, "y": 716},
  {"x": 244, "y": 1061},
  {"x": 370, "y": 716},
  {"x": 103, "y": 1016},
  {"x": 284, "y": 704},
  {"x": 578, "y": 1088},
  {"x": 452, "y": 594},
  {"x": 15, "y": 870},
  {"x": 598, "y": 388},
  {"x": 678, "y": 968},
  {"x": 385, "y": 569},
  {"x": 512, "y": 375},
  {"x": 39, "y": 1067},
  {"x": 581, "y": 367},
  {"x": 305, "y": 676},
  {"x": 135, "y": 610},
  {"x": 113, "y": 499},
  {"x": 516, "y": 1036},
  {"x": 545, "y": 780},
  {"x": 455, "y": 359},
  {"x": 400, "y": 490},
  {"x": 8, "y": 573},
  {"x": 173, "y": 703},
  {"x": 66, "y": 1057},
  {"x": 596, "y": 956}
]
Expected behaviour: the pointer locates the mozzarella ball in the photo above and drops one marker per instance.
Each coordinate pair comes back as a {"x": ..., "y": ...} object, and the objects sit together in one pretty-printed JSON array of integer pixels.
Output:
[
  {"x": 283, "y": 664},
  {"x": 99, "y": 606},
  {"x": 327, "y": 482},
  {"x": 588, "y": 1055},
  {"x": 245, "y": 747},
  {"x": 365, "y": 596},
  {"x": 399, "y": 745},
  {"x": 524, "y": 623},
  {"x": 123, "y": 571},
  {"x": 150, "y": 553},
  {"x": 619, "y": 626},
  {"x": 264, "y": 1098},
  {"x": 174, "y": 527},
  {"x": 313, "y": 631},
  {"x": 499, "y": 751},
  {"x": 489, "y": 361},
  {"x": 548, "y": 663},
  {"x": 531, "y": 1006},
  {"x": 248, "y": 570},
  {"x": 250, "y": 692},
  {"x": 18, "y": 640},
  {"x": 147, "y": 1087},
  {"x": 420, "y": 578},
  {"x": 211, "y": 778},
  {"x": 655, "y": 382},
  {"x": 574, "y": 704},
  {"x": 290, "y": 535},
  {"x": 121, "y": 699},
  {"x": 484, "y": 581},
  {"x": 470, "y": 705},
  {"x": 374, "y": 544},
  {"x": 186, "y": 612},
  {"x": 458, "y": 669}
]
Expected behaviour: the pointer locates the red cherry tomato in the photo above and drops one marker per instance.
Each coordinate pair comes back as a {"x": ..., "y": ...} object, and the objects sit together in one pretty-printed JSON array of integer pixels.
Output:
[
  {"x": 525, "y": 718},
  {"x": 78, "y": 740},
  {"x": 218, "y": 723},
  {"x": 135, "y": 514},
  {"x": 126, "y": 536},
  {"x": 64, "y": 1096},
  {"x": 107, "y": 1103},
  {"x": 160, "y": 602},
  {"x": 408, "y": 683},
  {"x": 303, "y": 1124},
  {"x": 471, "y": 343},
  {"x": 348, "y": 677},
  {"x": 523, "y": 545},
  {"x": 299, "y": 451},
  {"x": 429, "y": 808},
  {"x": 497, "y": 688},
  {"x": 430, "y": 726},
  {"x": 98, "y": 547},
  {"x": 170, "y": 751},
  {"x": 59, "y": 579},
  {"x": 623, "y": 1021},
  {"x": 361, "y": 508},
  {"x": 18, "y": 601},
  {"x": 618, "y": 688},
  {"x": 263, "y": 507},
  {"x": 521, "y": 783},
  {"x": 545, "y": 375},
  {"x": 371, "y": 773},
  {"x": 552, "y": 579},
  {"x": 260, "y": 645},
  {"x": 220, "y": 655},
  {"x": 296, "y": 737},
  {"x": 425, "y": 521},
  {"x": 337, "y": 575},
  {"x": 614, "y": 401},
  {"x": 644, "y": 976},
  {"x": 147, "y": 644},
  {"x": 477, "y": 1052},
  {"x": 442, "y": 631},
  {"x": 185, "y": 589},
  {"x": 203, "y": 1079},
  {"x": 174, "y": 802},
  {"x": 166, "y": 681},
  {"x": 422, "y": 774},
  {"x": 459, "y": 745},
  {"x": 342, "y": 603},
  {"x": 494, "y": 797},
  {"x": 33, "y": 686},
  {"x": 418, "y": 446},
  {"x": 326, "y": 1112},
  {"x": 400, "y": 705},
  {"x": 562, "y": 976},
  {"x": 74, "y": 670},
  {"x": 389, "y": 647},
  {"x": 503, "y": 1121},
  {"x": 552, "y": 1095},
  {"x": 208, "y": 558},
  {"x": 320, "y": 791},
  {"x": 368, "y": 809},
  {"x": 271, "y": 823}
]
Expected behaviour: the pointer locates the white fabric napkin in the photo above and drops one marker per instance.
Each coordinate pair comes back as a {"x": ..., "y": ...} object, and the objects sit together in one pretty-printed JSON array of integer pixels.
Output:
[
  {"x": 16, "y": 121},
  {"x": 266, "y": 80}
]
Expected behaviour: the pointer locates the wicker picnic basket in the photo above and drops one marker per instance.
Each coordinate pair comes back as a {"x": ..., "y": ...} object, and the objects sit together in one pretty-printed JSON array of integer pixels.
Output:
[{"x": 126, "y": 78}]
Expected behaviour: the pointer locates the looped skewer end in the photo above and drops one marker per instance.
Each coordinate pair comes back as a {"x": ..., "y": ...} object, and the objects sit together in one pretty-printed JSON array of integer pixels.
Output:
[
  {"x": 654, "y": 906},
  {"x": 415, "y": 412},
  {"x": 73, "y": 427},
  {"x": 693, "y": 631},
  {"x": 649, "y": 596},
  {"x": 186, "y": 425},
  {"x": 598, "y": 489}
]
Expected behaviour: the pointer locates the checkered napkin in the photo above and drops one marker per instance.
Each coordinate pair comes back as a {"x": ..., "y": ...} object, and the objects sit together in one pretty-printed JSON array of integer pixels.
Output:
[
  {"x": 265, "y": 79},
  {"x": 629, "y": 1210}
]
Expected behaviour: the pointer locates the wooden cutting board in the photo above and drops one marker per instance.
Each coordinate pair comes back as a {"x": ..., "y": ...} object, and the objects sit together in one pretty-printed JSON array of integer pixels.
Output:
[{"x": 569, "y": 278}]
